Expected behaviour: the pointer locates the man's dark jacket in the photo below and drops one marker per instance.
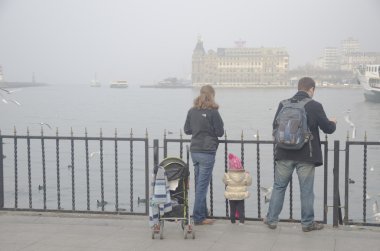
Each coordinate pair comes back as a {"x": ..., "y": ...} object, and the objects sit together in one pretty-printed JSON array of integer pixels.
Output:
[
  {"x": 316, "y": 119},
  {"x": 205, "y": 126}
]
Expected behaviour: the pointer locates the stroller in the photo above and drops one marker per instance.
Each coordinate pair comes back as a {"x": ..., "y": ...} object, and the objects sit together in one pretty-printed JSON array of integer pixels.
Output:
[{"x": 169, "y": 200}]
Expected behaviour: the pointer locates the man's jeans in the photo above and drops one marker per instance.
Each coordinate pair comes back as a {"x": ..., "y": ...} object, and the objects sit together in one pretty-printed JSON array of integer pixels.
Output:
[
  {"x": 203, "y": 166},
  {"x": 283, "y": 172}
]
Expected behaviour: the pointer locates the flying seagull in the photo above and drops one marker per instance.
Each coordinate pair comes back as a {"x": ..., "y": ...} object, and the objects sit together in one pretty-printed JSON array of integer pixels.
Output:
[
  {"x": 6, "y": 101},
  {"x": 93, "y": 153},
  {"x": 43, "y": 123}
]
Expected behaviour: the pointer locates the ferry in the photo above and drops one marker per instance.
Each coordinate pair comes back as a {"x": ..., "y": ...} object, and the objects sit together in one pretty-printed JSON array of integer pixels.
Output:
[
  {"x": 119, "y": 84},
  {"x": 171, "y": 83},
  {"x": 369, "y": 77}
]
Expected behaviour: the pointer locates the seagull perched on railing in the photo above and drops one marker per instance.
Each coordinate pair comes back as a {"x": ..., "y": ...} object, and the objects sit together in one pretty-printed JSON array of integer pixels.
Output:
[
  {"x": 347, "y": 118},
  {"x": 375, "y": 209}
]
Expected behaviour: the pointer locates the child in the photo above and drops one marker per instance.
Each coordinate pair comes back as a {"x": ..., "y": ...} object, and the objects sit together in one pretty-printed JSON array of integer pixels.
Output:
[{"x": 237, "y": 182}]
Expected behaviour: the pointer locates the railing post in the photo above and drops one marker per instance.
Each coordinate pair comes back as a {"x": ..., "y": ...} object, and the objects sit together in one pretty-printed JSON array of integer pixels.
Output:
[
  {"x": 155, "y": 152},
  {"x": 1, "y": 174},
  {"x": 346, "y": 177},
  {"x": 336, "y": 184},
  {"x": 147, "y": 184}
]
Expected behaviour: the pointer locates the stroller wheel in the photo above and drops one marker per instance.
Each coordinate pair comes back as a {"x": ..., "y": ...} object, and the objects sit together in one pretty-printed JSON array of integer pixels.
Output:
[{"x": 156, "y": 230}]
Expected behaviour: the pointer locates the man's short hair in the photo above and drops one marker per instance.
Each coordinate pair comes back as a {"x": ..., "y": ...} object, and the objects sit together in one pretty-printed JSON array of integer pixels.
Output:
[{"x": 305, "y": 84}]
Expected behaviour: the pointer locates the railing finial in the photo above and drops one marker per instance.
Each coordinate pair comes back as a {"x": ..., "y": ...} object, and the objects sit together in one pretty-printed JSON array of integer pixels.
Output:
[
  {"x": 146, "y": 132},
  {"x": 242, "y": 135},
  {"x": 115, "y": 132},
  {"x": 131, "y": 133}
]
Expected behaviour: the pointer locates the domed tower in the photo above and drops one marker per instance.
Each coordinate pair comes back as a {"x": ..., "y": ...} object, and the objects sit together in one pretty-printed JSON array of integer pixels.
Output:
[{"x": 198, "y": 61}]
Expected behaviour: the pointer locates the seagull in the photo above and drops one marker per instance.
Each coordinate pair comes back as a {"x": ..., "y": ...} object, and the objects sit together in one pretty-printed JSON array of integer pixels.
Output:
[
  {"x": 46, "y": 124},
  {"x": 6, "y": 101},
  {"x": 101, "y": 203},
  {"x": 367, "y": 196},
  {"x": 375, "y": 209},
  {"x": 267, "y": 193},
  {"x": 40, "y": 187},
  {"x": 347, "y": 118},
  {"x": 351, "y": 181},
  {"x": 5, "y": 90},
  {"x": 93, "y": 153}
]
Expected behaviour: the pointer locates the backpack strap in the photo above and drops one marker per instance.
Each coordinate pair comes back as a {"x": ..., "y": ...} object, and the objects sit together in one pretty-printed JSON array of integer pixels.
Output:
[{"x": 301, "y": 103}]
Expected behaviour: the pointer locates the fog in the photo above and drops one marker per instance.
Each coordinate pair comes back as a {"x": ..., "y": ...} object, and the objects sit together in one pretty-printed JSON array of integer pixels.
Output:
[{"x": 67, "y": 42}]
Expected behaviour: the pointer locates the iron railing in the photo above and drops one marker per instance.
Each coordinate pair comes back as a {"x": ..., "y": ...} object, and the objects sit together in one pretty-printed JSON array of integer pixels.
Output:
[
  {"x": 119, "y": 168},
  {"x": 117, "y": 148},
  {"x": 368, "y": 181},
  {"x": 242, "y": 144}
]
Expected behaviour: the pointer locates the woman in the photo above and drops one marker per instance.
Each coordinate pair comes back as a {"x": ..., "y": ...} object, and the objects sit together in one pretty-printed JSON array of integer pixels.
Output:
[{"x": 205, "y": 125}]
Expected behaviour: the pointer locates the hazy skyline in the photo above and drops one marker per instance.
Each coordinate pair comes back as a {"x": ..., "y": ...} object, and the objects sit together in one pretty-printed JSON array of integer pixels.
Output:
[{"x": 67, "y": 42}]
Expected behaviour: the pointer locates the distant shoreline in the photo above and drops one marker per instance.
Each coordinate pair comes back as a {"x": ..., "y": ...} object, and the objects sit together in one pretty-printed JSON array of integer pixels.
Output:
[
  {"x": 340, "y": 86},
  {"x": 21, "y": 84}
]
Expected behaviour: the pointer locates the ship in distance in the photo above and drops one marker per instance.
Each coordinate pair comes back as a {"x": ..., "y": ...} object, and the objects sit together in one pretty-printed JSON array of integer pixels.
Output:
[
  {"x": 369, "y": 77},
  {"x": 119, "y": 84},
  {"x": 171, "y": 82}
]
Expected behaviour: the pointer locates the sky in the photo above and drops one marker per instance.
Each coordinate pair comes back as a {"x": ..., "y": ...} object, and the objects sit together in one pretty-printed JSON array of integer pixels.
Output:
[{"x": 145, "y": 41}]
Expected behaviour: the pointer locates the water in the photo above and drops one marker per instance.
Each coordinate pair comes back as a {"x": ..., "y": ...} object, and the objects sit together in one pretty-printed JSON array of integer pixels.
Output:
[{"x": 246, "y": 111}]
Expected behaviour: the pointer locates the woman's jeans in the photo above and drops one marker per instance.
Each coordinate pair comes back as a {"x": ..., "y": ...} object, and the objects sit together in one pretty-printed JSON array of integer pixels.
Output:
[
  {"x": 283, "y": 172},
  {"x": 203, "y": 166}
]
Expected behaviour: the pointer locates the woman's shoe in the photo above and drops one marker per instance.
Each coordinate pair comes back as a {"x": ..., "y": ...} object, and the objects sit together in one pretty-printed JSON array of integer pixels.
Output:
[{"x": 205, "y": 222}]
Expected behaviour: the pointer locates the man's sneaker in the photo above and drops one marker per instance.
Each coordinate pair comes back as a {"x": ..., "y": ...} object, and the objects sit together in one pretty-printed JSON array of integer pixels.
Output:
[
  {"x": 271, "y": 226},
  {"x": 313, "y": 226}
]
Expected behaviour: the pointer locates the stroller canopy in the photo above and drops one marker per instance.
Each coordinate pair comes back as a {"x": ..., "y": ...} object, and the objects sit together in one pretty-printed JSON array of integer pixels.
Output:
[{"x": 175, "y": 168}]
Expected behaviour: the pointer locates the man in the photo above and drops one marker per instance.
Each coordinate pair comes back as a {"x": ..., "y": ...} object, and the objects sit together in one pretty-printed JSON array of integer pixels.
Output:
[{"x": 303, "y": 160}]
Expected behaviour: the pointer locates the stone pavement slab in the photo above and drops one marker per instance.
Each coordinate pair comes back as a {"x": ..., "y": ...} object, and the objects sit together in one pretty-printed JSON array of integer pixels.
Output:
[{"x": 66, "y": 231}]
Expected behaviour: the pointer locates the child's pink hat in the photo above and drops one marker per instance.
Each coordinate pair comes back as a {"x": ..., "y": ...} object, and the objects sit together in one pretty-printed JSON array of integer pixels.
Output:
[{"x": 234, "y": 163}]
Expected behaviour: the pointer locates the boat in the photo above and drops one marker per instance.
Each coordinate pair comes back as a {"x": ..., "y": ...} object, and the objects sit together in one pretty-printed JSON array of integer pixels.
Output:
[
  {"x": 119, "y": 84},
  {"x": 171, "y": 83},
  {"x": 369, "y": 77},
  {"x": 95, "y": 82}
]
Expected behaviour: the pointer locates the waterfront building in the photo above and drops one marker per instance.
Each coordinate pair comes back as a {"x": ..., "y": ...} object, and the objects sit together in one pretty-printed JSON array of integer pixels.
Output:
[
  {"x": 355, "y": 59},
  {"x": 331, "y": 59},
  {"x": 350, "y": 45},
  {"x": 240, "y": 66}
]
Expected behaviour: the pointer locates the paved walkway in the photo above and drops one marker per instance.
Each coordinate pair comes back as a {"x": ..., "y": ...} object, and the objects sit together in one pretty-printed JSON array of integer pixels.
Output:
[{"x": 53, "y": 231}]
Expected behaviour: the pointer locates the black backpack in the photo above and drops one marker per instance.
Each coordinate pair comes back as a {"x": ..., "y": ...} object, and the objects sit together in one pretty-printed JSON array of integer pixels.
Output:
[{"x": 291, "y": 131}]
